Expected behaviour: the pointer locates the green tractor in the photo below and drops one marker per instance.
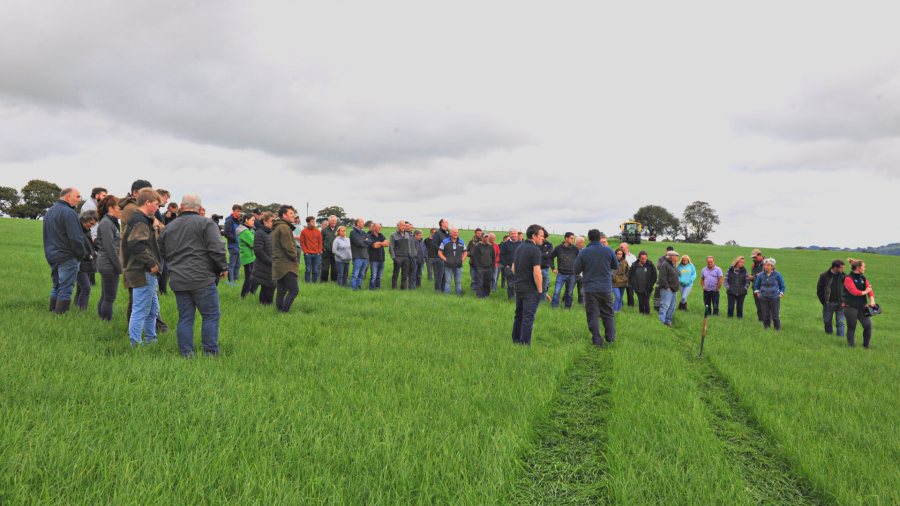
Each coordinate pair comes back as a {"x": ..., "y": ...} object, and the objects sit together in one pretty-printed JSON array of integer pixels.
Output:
[{"x": 630, "y": 232}]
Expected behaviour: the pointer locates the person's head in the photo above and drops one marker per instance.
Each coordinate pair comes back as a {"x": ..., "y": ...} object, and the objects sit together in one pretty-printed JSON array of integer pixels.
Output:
[
  {"x": 109, "y": 205},
  {"x": 443, "y": 224},
  {"x": 311, "y": 222},
  {"x": 837, "y": 265},
  {"x": 296, "y": 219},
  {"x": 172, "y": 207},
  {"x": 769, "y": 264},
  {"x": 604, "y": 240},
  {"x": 535, "y": 234},
  {"x": 98, "y": 194},
  {"x": 521, "y": 235},
  {"x": 139, "y": 185},
  {"x": 70, "y": 196},
  {"x": 642, "y": 257},
  {"x": 620, "y": 254},
  {"x": 757, "y": 255},
  {"x": 569, "y": 238},
  {"x": 454, "y": 233},
  {"x": 486, "y": 238},
  {"x": 418, "y": 235},
  {"x": 236, "y": 211},
  {"x": 342, "y": 231},
  {"x": 710, "y": 261},
  {"x": 857, "y": 265},
  {"x": 401, "y": 226},
  {"x": 332, "y": 221},
  {"x": 287, "y": 213},
  {"x": 479, "y": 233},
  {"x": 513, "y": 234},
  {"x": 191, "y": 203},
  {"x": 670, "y": 248},
  {"x": 360, "y": 222},
  {"x": 432, "y": 231},
  {"x": 672, "y": 256},
  {"x": 88, "y": 219},
  {"x": 164, "y": 196},
  {"x": 579, "y": 242},
  {"x": 685, "y": 260},
  {"x": 408, "y": 226},
  {"x": 594, "y": 235},
  {"x": 202, "y": 212},
  {"x": 266, "y": 218},
  {"x": 147, "y": 201},
  {"x": 624, "y": 247},
  {"x": 738, "y": 262},
  {"x": 256, "y": 212},
  {"x": 248, "y": 220}
]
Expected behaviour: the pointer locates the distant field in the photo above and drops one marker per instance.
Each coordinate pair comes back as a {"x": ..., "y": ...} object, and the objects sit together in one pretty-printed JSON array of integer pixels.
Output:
[{"x": 413, "y": 397}]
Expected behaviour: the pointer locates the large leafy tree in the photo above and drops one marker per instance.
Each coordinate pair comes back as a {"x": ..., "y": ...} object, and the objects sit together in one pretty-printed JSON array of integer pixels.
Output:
[
  {"x": 37, "y": 197},
  {"x": 338, "y": 211},
  {"x": 657, "y": 220},
  {"x": 699, "y": 220},
  {"x": 9, "y": 199}
]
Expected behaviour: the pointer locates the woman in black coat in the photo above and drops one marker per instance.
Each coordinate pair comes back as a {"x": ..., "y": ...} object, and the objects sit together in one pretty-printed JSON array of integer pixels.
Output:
[
  {"x": 737, "y": 281},
  {"x": 262, "y": 266},
  {"x": 108, "y": 263}
]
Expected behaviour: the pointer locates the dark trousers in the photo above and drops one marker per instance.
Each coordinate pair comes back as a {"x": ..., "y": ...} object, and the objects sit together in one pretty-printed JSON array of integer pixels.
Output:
[
  {"x": 429, "y": 266},
  {"x": 599, "y": 306},
  {"x": 833, "y": 312},
  {"x": 164, "y": 278},
  {"x": 109, "y": 287},
  {"x": 82, "y": 290},
  {"x": 266, "y": 295},
  {"x": 249, "y": 286},
  {"x": 711, "y": 299},
  {"x": 401, "y": 269},
  {"x": 854, "y": 315},
  {"x": 523, "y": 324},
  {"x": 287, "y": 290},
  {"x": 771, "y": 312},
  {"x": 438, "y": 275},
  {"x": 328, "y": 266},
  {"x": 736, "y": 302},
  {"x": 416, "y": 274},
  {"x": 759, "y": 313},
  {"x": 510, "y": 282},
  {"x": 579, "y": 288},
  {"x": 643, "y": 302},
  {"x": 630, "y": 296},
  {"x": 413, "y": 267},
  {"x": 483, "y": 282},
  {"x": 205, "y": 301}
]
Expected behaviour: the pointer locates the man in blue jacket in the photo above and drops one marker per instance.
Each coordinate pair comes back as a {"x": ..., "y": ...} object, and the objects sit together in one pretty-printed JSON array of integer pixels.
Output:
[
  {"x": 64, "y": 248},
  {"x": 596, "y": 263},
  {"x": 234, "y": 248}
]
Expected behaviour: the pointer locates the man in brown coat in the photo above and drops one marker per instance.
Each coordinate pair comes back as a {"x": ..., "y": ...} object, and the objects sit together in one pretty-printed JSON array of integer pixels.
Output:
[
  {"x": 141, "y": 261},
  {"x": 285, "y": 263}
]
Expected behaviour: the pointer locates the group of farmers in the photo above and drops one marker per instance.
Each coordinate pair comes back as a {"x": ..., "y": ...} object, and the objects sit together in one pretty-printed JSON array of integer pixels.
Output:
[{"x": 179, "y": 248}]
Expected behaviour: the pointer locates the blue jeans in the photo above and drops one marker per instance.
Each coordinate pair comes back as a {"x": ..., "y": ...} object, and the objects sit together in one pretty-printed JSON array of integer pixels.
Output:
[
  {"x": 313, "y": 270},
  {"x": 234, "y": 264},
  {"x": 144, "y": 308},
  {"x": 205, "y": 300},
  {"x": 64, "y": 275},
  {"x": 496, "y": 272},
  {"x": 360, "y": 265},
  {"x": 523, "y": 324},
  {"x": 666, "y": 305},
  {"x": 567, "y": 280},
  {"x": 685, "y": 291},
  {"x": 456, "y": 274},
  {"x": 377, "y": 272},
  {"x": 833, "y": 310},
  {"x": 617, "y": 305},
  {"x": 545, "y": 280},
  {"x": 472, "y": 276},
  {"x": 342, "y": 268}
]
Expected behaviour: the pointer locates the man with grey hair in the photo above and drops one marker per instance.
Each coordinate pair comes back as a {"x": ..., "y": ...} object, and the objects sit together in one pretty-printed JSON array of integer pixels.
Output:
[
  {"x": 64, "y": 248},
  {"x": 193, "y": 249},
  {"x": 668, "y": 285}
]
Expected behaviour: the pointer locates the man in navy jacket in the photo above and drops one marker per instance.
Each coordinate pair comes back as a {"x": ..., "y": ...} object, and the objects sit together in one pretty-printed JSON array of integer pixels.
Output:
[
  {"x": 596, "y": 263},
  {"x": 64, "y": 248}
]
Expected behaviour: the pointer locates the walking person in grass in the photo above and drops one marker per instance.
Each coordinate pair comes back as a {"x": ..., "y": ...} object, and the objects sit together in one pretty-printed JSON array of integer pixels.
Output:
[
  {"x": 192, "y": 246},
  {"x": 641, "y": 278},
  {"x": 246, "y": 234},
  {"x": 713, "y": 278},
  {"x": 768, "y": 288},
  {"x": 262, "y": 266},
  {"x": 620, "y": 280},
  {"x": 596, "y": 263},
  {"x": 88, "y": 267},
  {"x": 108, "y": 263},
  {"x": 668, "y": 285},
  {"x": 142, "y": 261},
  {"x": 526, "y": 270},
  {"x": 285, "y": 262},
  {"x": 343, "y": 255},
  {"x": 830, "y": 292},
  {"x": 64, "y": 248},
  {"x": 857, "y": 290},
  {"x": 737, "y": 281},
  {"x": 687, "y": 274}
]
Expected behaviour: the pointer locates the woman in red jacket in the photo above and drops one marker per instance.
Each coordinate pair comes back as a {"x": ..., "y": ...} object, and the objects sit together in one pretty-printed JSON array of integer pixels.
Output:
[{"x": 856, "y": 292}]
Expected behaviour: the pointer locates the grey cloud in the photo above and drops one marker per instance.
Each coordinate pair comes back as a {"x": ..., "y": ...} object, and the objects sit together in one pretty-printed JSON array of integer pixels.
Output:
[{"x": 876, "y": 156}]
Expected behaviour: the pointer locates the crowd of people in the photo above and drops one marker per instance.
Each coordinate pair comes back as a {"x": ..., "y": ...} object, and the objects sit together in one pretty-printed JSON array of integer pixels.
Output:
[{"x": 180, "y": 249}]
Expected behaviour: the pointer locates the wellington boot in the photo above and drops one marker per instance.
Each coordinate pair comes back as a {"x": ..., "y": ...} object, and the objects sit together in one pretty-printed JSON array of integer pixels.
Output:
[
  {"x": 52, "y": 304},
  {"x": 62, "y": 306}
]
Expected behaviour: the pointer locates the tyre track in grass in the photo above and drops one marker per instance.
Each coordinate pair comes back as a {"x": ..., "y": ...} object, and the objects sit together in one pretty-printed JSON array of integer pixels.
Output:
[
  {"x": 770, "y": 479},
  {"x": 567, "y": 463}
]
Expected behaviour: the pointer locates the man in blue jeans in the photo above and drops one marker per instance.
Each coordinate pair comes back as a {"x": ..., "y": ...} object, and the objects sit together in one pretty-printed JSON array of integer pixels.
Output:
[
  {"x": 564, "y": 257},
  {"x": 234, "y": 248},
  {"x": 359, "y": 248},
  {"x": 526, "y": 267},
  {"x": 668, "y": 285},
  {"x": 192, "y": 247},
  {"x": 64, "y": 248},
  {"x": 452, "y": 253},
  {"x": 376, "y": 255},
  {"x": 142, "y": 260}
]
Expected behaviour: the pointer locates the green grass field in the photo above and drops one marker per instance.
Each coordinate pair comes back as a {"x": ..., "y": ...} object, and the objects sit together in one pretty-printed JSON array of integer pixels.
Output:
[{"x": 412, "y": 397}]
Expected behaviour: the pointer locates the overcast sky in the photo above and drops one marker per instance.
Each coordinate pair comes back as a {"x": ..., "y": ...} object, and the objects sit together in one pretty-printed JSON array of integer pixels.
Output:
[{"x": 784, "y": 116}]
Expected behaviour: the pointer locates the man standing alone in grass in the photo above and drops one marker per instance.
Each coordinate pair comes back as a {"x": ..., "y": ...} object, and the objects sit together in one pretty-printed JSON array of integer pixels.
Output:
[
  {"x": 668, "y": 285},
  {"x": 193, "y": 249},
  {"x": 712, "y": 277},
  {"x": 596, "y": 263},
  {"x": 526, "y": 270},
  {"x": 829, "y": 288},
  {"x": 141, "y": 267},
  {"x": 64, "y": 248},
  {"x": 285, "y": 263}
]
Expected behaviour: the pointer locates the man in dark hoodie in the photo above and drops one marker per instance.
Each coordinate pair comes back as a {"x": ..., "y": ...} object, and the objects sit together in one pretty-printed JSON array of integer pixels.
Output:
[
  {"x": 564, "y": 257},
  {"x": 64, "y": 248},
  {"x": 285, "y": 262},
  {"x": 828, "y": 290}
]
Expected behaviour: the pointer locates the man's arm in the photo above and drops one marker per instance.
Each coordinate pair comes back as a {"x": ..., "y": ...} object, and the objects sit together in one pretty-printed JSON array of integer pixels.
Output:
[
  {"x": 215, "y": 248},
  {"x": 538, "y": 278}
]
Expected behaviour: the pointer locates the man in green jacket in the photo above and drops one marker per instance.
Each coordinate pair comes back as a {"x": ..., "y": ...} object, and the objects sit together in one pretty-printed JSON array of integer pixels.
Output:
[{"x": 285, "y": 262}]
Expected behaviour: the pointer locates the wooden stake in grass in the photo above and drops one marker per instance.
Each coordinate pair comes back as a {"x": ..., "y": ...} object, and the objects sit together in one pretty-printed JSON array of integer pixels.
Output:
[{"x": 706, "y": 313}]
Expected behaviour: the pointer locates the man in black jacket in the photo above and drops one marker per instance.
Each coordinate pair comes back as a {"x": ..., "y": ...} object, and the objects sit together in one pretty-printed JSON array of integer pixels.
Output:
[
  {"x": 234, "y": 249},
  {"x": 437, "y": 239},
  {"x": 482, "y": 259},
  {"x": 64, "y": 248},
  {"x": 564, "y": 257},
  {"x": 831, "y": 282},
  {"x": 668, "y": 285},
  {"x": 641, "y": 278},
  {"x": 507, "y": 256},
  {"x": 756, "y": 270},
  {"x": 359, "y": 248}
]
